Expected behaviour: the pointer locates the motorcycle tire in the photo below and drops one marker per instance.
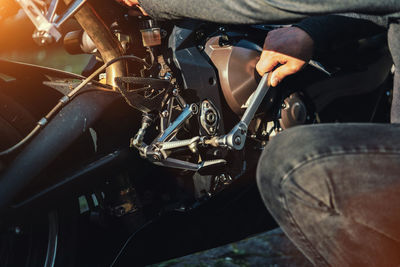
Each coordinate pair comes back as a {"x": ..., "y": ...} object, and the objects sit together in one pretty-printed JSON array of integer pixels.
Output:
[{"x": 46, "y": 238}]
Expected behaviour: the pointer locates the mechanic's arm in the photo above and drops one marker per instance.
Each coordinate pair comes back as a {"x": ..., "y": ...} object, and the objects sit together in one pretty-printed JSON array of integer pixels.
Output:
[
  {"x": 294, "y": 46},
  {"x": 258, "y": 11},
  {"x": 291, "y": 47}
]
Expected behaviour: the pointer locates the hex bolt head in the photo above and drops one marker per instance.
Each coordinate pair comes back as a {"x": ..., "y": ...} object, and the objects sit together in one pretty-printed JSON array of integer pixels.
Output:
[
  {"x": 210, "y": 117},
  {"x": 238, "y": 140},
  {"x": 194, "y": 108}
]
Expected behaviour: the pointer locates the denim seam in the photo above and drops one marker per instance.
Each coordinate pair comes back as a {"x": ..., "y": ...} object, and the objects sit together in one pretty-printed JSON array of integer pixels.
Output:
[{"x": 321, "y": 261}]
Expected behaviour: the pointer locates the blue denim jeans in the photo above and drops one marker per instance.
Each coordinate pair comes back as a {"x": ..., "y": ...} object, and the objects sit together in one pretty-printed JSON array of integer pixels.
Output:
[{"x": 335, "y": 191}]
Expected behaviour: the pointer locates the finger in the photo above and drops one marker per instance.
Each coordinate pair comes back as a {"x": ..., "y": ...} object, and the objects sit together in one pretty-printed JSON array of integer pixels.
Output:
[
  {"x": 142, "y": 10},
  {"x": 266, "y": 63},
  {"x": 283, "y": 71}
]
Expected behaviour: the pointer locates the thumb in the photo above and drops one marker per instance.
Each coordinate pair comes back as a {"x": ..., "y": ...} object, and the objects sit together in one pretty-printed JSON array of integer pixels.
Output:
[{"x": 283, "y": 71}]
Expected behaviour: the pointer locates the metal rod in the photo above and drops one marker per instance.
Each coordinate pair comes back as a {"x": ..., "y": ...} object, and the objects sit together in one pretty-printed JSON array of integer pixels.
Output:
[
  {"x": 257, "y": 98},
  {"x": 52, "y": 10},
  {"x": 179, "y": 144},
  {"x": 72, "y": 9},
  {"x": 186, "y": 113}
]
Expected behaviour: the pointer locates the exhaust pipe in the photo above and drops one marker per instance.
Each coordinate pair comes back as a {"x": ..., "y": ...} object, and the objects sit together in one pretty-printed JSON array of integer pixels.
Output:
[
  {"x": 66, "y": 127},
  {"x": 105, "y": 41}
]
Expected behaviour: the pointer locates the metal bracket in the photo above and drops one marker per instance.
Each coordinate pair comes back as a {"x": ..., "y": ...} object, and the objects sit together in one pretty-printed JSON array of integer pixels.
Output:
[{"x": 46, "y": 22}]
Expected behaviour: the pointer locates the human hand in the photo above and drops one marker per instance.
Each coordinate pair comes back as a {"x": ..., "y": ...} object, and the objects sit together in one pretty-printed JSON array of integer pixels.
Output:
[
  {"x": 291, "y": 47},
  {"x": 132, "y": 3}
]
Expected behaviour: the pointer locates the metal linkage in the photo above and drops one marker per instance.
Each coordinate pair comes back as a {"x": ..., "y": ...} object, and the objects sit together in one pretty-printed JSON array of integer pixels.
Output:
[
  {"x": 158, "y": 152},
  {"x": 236, "y": 138},
  {"x": 46, "y": 22},
  {"x": 186, "y": 114}
]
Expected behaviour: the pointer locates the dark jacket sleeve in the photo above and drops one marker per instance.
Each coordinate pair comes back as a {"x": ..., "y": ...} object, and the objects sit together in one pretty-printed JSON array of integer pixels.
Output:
[
  {"x": 331, "y": 29},
  {"x": 262, "y": 11}
]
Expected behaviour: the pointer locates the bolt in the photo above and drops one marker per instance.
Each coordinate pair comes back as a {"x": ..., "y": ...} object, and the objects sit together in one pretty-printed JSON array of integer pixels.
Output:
[
  {"x": 206, "y": 105},
  {"x": 283, "y": 105},
  {"x": 200, "y": 47},
  {"x": 165, "y": 113},
  {"x": 210, "y": 117},
  {"x": 238, "y": 140},
  {"x": 221, "y": 29},
  {"x": 194, "y": 108},
  {"x": 175, "y": 92}
]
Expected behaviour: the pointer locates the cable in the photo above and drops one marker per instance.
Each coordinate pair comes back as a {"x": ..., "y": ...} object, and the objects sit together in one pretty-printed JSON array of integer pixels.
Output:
[
  {"x": 129, "y": 239},
  {"x": 66, "y": 99}
]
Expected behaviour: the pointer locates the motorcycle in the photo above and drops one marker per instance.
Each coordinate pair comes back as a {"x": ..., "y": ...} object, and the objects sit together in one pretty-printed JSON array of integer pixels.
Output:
[{"x": 153, "y": 149}]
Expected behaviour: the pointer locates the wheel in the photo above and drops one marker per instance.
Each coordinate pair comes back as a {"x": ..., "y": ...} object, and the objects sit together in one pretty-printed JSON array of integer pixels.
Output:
[{"x": 48, "y": 239}]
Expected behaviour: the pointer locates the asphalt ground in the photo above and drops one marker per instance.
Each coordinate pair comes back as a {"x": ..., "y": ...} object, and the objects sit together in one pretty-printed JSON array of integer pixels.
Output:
[{"x": 270, "y": 249}]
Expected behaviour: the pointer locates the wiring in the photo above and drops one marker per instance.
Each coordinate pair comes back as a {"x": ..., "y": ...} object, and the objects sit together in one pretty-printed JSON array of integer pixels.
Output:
[{"x": 66, "y": 99}]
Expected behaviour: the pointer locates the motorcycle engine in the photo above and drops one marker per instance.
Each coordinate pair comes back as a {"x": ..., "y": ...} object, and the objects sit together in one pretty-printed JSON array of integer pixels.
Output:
[{"x": 236, "y": 65}]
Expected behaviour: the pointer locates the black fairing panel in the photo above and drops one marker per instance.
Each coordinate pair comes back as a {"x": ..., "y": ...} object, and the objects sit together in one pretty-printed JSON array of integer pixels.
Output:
[{"x": 199, "y": 77}]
